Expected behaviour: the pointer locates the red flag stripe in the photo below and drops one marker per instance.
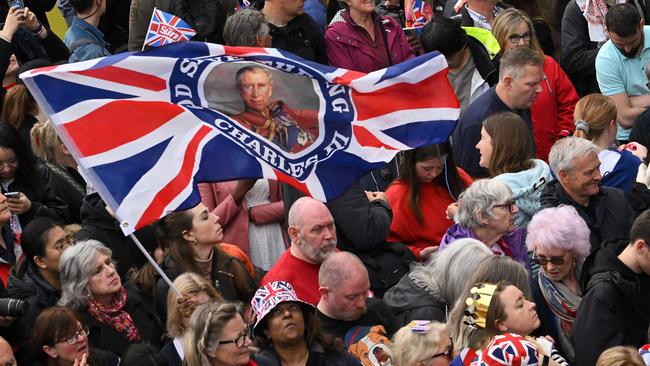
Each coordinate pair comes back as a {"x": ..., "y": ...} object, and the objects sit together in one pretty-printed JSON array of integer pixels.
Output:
[
  {"x": 348, "y": 77},
  {"x": 433, "y": 92},
  {"x": 172, "y": 189},
  {"x": 117, "y": 123},
  {"x": 242, "y": 51},
  {"x": 367, "y": 138},
  {"x": 126, "y": 77},
  {"x": 281, "y": 177}
]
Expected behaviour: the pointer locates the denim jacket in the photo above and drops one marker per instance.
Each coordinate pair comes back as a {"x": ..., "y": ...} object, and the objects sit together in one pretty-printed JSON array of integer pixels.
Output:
[{"x": 85, "y": 41}]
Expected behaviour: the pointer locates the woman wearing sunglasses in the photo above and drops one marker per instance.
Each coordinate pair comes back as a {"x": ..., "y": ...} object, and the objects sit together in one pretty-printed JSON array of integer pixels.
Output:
[
  {"x": 506, "y": 150},
  {"x": 287, "y": 333},
  {"x": 422, "y": 343},
  {"x": 559, "y": 238},
  {"x": 487, "y": 212},
  {"x": 217, "y": 336},
  {"x": 61, "y": 339}
]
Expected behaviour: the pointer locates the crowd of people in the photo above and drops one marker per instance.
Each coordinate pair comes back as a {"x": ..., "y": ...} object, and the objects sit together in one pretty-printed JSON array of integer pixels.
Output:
[{"x": 524, "y": 239}]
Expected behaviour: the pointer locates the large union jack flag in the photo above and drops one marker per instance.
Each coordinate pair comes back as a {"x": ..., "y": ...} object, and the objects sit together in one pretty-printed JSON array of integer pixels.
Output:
[
  {"x": 142, "y": 129},
  {"x": 166, "y": 28}
]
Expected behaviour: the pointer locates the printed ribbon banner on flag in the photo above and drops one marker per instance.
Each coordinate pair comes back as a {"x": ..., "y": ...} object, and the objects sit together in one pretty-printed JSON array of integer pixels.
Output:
[
  {"x": 147, "y": 127},
  {"x": 165, "y": 28}
]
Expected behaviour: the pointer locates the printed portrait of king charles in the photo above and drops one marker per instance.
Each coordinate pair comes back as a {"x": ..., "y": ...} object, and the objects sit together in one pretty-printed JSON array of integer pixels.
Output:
[{"x": 291, "y": 130}]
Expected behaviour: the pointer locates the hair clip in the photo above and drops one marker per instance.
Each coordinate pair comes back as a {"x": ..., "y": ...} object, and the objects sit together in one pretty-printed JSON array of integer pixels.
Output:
[
  {"x": 478, "y": 303},
  {"x": 419, "y": 326}
]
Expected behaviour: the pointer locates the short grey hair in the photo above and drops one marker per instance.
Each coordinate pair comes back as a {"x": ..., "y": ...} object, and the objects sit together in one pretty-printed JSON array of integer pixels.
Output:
[
  {"x": 240, "y": 73},
  {"x": 565, "y": 150},
  {"x": 447, "y": 271},
  {"x": 243, "y": 28},
  {"x": 75, "y": 268},
  {"x": 514, "y": 61},
  {"x": 477, "y": 201}
]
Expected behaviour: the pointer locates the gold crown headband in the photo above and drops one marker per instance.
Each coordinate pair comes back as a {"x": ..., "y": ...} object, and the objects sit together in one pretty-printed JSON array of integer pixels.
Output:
[{"x": 478, "y": 304}]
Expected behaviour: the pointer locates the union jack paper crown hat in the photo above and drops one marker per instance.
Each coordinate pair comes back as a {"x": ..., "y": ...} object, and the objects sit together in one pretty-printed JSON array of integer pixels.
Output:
[
  {"x": 271, "y": 295},
  {"x": 508, "y": 349}
]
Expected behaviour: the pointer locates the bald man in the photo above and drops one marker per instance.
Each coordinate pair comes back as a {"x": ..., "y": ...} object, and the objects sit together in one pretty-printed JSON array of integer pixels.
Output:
[
  {"x": 313, "y": 239},
  {"x": 344, "y": 302},
  {"x": 6, "y": 354}
]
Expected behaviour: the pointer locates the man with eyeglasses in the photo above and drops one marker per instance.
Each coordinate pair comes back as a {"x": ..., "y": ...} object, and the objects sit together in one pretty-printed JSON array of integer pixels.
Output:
[
  {"x": 620, "y": 66},
  {"x": 614, "y": 310},
  {"x": 521, "y": 71},
  {"x": 574, "y": 162}
]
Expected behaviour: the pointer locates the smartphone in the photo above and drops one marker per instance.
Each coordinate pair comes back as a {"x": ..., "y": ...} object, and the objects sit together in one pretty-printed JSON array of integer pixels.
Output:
[
  {"x": 18, "y": 3},
  {"x": 15, "y": 195}
]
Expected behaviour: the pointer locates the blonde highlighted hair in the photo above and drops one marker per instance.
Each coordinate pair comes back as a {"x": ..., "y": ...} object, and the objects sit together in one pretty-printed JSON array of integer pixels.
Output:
[
  {"x": 598, "y": 111},
  {"x": 507, "y": 22},
  {"x": 410, "y": 347},
  {"x": 620, "y": 356},
  {"x": 188, "y": 283}
]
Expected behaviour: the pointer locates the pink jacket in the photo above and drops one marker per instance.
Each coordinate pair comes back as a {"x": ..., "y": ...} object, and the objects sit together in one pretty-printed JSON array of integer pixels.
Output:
[
  {"x": 346, "y": 48},
  {"x": 234, "y": 219}
]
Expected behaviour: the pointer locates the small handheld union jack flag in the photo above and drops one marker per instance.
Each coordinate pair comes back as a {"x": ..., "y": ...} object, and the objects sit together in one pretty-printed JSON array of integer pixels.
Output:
[{"x": 166, "y": 28}]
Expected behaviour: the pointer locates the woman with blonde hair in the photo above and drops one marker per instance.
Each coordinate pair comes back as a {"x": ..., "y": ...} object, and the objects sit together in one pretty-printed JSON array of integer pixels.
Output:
[
  {"x": 217, "y": 336},
  {"x": 66, "y": 180},
  {"x": 620, "y": 356},
  {"x": 422, "y": 342},
  {"x": 195, "y": 291},
  {"x": 595, "y": 120},
  {"x": 553, "y": 109}
]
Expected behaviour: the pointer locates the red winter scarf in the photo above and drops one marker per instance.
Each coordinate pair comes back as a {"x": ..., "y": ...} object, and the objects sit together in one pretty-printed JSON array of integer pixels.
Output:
[{"x": 114, "y": 316}]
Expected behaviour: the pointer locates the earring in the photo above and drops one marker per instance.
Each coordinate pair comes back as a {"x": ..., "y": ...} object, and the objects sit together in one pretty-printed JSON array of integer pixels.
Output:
[{"x": 194, "y": 243}]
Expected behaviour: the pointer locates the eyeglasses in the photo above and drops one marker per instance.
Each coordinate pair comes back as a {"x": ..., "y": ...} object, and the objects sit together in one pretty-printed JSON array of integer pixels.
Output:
[
  {"x": 542, "y": 261},
  {"x": 241, "y": 340},
  {"x": 510, "y": 206},
  {"x": 282, "y": 308},
  {"x": 74, "y": 339},
  {"x": 516, "y": 38},
  {"x": 11, "y": 163},
  {"x": 64, "y": 243}
]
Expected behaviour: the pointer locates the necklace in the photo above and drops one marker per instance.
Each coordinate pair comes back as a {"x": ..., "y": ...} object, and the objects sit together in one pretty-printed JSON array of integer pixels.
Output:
[{"x": 205, "y": 260}]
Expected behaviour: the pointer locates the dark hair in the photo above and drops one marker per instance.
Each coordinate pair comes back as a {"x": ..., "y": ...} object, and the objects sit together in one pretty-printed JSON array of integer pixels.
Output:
[
  {"x": 33, "y": 241},
  {"x": 511, "y": 143},
  {"x": 623, "y": 19},
  {"x": 530, "y": 7},
  {"x": 641, "y": 228},
  {"x": 443, "y": 35},
  {"x": 26, "y": 173},
  {"x": 82, "y": 6},
  {"x": 52, "y": 326},
  {"x": 313, "y": 332},
  {"x": 143, "y": 354},
  {"x": 169, "y": 231},
  {"x": 408, "y": 174}
]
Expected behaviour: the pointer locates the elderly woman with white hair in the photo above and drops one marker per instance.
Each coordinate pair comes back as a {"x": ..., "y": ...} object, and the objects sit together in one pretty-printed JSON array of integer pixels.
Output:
[
  {"x": 487, "y": 212},
  {"x": 117, "y": 316},
  {"x": 430, "y": 290},
  {"x": 559, "y": 240}
]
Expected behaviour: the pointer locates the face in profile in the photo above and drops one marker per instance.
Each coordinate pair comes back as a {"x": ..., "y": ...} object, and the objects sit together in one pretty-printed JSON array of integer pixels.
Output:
[
  {"x": 255, "y": 90},
  {"x": 526, "y": 86}
]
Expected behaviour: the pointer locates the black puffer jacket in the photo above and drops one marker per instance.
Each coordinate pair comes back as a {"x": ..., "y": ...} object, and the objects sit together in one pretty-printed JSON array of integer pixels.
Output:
[
  {"x": 411, "y": 299},
  {"x": 614, "y": 214},
  {"x": 301, "y": 36},
  {"x": 614, "y": 310},
  {"x": 99, "y": 225}
]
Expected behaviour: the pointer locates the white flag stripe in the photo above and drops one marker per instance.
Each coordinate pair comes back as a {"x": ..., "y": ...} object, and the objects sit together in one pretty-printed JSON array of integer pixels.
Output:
[{"x": 396, "y": 119}]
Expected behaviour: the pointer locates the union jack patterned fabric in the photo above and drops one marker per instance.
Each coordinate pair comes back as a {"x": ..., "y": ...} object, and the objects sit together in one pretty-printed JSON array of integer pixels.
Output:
[
  {"x": 414, "y": 11},
  {"x": 166, "y": 28},
  {"x": 271, "y": 295},
  {"x": 508, "y": 349},
  {"x": 645, "y": 353},
  {"x": 147, "y": 127}
]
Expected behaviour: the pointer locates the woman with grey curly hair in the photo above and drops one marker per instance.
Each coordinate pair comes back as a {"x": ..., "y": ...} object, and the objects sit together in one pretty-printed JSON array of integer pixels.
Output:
[
  {"x": 217, "y": 336},
  {"x": 487, "y": 212},
  {"x": 116, "y": 315}
]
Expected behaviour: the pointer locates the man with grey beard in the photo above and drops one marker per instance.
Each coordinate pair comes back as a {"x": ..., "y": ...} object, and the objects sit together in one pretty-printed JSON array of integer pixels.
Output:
[{"x": 313, "y": 239}]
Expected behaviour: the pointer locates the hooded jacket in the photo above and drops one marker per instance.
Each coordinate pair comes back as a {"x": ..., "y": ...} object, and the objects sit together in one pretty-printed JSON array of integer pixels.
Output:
[
  {"x": 613, "y": 213},
  {"x": 515, "y": 240},
  {"x": 526, "y": 187},
  {"x": 614, "y": 310},
  {"x": 411, "y": 299}
]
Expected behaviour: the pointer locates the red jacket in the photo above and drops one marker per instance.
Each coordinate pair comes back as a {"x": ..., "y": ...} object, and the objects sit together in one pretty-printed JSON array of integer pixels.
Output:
[
  {"x": 552, "y": 112},
  {"x": 434, "y": 200},
  {"x": 234, "y": 219},
  {"x": 348, "y": 48}
]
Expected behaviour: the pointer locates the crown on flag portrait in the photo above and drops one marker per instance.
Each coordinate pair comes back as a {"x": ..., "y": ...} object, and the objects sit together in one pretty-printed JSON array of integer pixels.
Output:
[
  {"x": 165, "y": 28},
  {"x": 147, "y": 127}
]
